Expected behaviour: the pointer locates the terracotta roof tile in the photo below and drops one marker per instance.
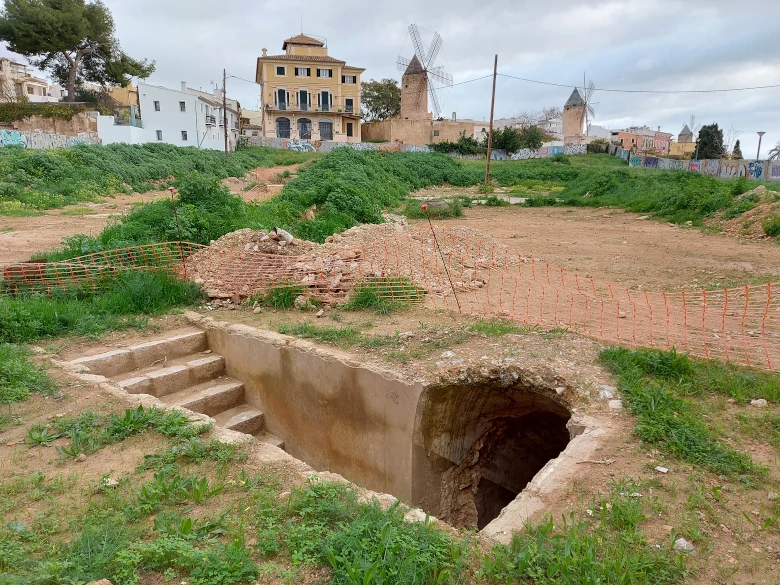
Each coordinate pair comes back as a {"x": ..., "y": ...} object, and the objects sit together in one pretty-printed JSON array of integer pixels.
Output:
[
  {"x": 302, "y": 40},
  {"x": 317, "y": 58}
]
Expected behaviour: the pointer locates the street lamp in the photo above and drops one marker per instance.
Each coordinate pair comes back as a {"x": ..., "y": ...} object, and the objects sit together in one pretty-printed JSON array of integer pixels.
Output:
[{"x": 760, "y": 135}]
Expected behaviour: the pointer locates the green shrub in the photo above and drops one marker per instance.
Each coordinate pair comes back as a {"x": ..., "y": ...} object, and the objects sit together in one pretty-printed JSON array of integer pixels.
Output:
[
  {"x": 279, "y": 297},
  {"x": 122, "y": 302},
  {"x": 771, "y": 225},
  {"x": 453, "y": 208}
]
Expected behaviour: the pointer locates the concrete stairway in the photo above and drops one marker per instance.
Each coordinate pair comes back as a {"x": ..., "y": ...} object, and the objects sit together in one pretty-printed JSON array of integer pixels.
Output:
[{"x": 181, "y": 371}]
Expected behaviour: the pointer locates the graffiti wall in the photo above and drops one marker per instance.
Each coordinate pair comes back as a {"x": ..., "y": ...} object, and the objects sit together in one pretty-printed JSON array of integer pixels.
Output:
[
  {"x": 45, "y": 140},
  {"x": 723, "y": 169}
]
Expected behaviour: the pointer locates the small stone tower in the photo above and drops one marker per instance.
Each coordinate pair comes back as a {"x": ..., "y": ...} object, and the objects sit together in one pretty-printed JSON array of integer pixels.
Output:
[
  {"x": 414, "y": 92},
  {"x": 574, "y": 115},
  {"x": 685, "y": 135}
]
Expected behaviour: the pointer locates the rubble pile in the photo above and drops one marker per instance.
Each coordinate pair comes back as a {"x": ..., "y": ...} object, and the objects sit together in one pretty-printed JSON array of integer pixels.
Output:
[{"x": 246, "y": 262}]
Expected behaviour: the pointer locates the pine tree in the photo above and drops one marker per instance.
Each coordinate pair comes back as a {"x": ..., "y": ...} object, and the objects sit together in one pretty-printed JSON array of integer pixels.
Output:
[{"x": 737, "y": 152}]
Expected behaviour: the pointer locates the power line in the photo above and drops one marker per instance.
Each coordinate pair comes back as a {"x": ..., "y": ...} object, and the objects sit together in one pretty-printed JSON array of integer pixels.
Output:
[{"x": 661, "y": 91}]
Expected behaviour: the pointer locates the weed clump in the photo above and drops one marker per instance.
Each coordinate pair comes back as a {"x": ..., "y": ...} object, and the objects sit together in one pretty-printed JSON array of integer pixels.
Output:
[
  {"x": 384, "y": 295},
  {"x": 771, "y": 225},
  {"x": 20, "y": 376}
]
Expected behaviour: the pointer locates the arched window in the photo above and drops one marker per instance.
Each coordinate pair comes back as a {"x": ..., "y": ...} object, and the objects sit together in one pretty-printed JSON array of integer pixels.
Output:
[
  {"x": 283, "y": 127},
  {"x": 304, "y": 129},
  {"x": 326, "y": 130}
]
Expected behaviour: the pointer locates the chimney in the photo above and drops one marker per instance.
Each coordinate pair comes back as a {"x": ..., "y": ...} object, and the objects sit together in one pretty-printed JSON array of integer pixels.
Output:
[
  {"x": 183, "y": 86},
  {"x": 454, "y": 116},
  {"x": 265, "y": 52}
]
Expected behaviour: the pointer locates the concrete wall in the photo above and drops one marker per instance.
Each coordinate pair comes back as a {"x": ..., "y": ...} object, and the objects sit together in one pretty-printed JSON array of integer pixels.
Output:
[
  {"x": 78, "y": 124},
  {"x": 45, "y": 140},
  {"x": 350, "y": 420},
  {"x": 722, "y": 168},
  {"x": 417, "y": 131}
]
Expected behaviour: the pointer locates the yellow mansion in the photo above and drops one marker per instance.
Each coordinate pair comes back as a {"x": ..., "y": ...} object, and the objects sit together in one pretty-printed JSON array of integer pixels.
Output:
[{"x": 308, "y": 95}]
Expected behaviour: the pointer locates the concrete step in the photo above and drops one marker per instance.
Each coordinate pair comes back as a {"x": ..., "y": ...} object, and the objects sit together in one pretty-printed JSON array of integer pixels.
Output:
[
  {"x": 209, "y": 398},
  {"x": 119, "y": 361},
  {"x": 243, "y": 418},
  {"x": 271, "y": 439},
  {"x": 174, "y": 376}
]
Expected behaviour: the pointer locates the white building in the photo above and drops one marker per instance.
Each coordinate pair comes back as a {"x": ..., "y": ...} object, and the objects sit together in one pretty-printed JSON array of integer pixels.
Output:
[
  {"x": 16, "y": 82},
  {"x": 595, "y": 131},
  {"x": 184, "y": 117}
]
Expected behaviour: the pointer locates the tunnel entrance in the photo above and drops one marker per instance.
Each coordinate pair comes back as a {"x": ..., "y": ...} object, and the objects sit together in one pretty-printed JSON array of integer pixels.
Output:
[{"x": 477, "y": 447}]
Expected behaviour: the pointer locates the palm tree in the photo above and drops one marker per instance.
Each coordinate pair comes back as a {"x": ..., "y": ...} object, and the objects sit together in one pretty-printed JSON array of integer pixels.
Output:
[{"x": 774, "y": 154}]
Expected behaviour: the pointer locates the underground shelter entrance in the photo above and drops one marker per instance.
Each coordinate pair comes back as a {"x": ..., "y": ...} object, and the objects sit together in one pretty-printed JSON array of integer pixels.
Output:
[{"x": 461, "y": 447}]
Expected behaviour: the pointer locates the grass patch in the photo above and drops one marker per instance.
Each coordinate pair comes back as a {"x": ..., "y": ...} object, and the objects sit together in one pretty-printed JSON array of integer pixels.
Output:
[
  {"x": 654, "y": 383},
  {"x": 48, "y": 179},
  {"x": 763, "y": 427},
  {"x": 20, "y": 376},
  {"x": 449, "y": 208},
  {"x": 609, "y": 548},
  {"x": 384, "y": 295},
  {"x": 279, "y": 297},
  {"x": 495, "y": 327},
  {"x": 125, "y": 301},
  {"x": 78, "y": 211},
  {"x": 337, "y": 335}
]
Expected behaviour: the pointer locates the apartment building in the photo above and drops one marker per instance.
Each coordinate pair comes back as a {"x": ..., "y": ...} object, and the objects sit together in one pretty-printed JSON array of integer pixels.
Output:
[
  {"x": 307, "y": 94},
  {"x": 16, "y": 82},
  {"x": 183, "y": 117}
]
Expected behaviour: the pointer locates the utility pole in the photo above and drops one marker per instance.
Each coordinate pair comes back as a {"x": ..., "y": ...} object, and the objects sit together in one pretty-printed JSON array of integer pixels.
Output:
[
  {"x": 490, "y": 135},
  {"x": 224, "y": 110}
]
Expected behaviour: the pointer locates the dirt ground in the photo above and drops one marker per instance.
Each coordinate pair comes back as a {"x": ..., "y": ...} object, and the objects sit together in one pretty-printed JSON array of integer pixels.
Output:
[
  {"x": 616, "y": 246},
  {"x": 23, "y": 237}
]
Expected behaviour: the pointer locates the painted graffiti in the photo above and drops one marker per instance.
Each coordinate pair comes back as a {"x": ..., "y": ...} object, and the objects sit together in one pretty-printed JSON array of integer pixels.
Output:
[
  {"x": 774, "y": 171},
  {"x": 710, "y": 167},
  {"x": 755, "y": 170},
  {"x": 417, "y": 148},
  {"x": 651, "y": 162},
  {"x": 575, "y": 149},
  {"x": 694, "y": 166},
  {"x": 635, "y": 161},
  {"x": 498, "y": 154},
  {"x": 300, "y": 145},
  {"x": 45, "y": 140}
]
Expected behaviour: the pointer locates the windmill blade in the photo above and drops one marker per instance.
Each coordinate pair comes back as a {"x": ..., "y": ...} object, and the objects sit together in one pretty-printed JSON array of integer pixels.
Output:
[
  {"x": 419, "y": 50},
  {"x": 591, "y": 111},
  {"x": 440, "y": 75},
  {"x": 402, "y": 63},
  {"x": 589, "y": 91},
  {"x": 434, "y": 102},
  {"x": 434, "y": 49}
]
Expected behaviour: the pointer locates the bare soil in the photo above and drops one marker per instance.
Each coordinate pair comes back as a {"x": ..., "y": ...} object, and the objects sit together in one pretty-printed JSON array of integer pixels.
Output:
[
  {"x": 616, "y": 246},
  {"x": 23, "y": 237}
]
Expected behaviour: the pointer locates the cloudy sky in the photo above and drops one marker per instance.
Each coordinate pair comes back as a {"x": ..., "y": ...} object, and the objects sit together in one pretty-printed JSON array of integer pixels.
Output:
[{"x": 621, "y": 44}]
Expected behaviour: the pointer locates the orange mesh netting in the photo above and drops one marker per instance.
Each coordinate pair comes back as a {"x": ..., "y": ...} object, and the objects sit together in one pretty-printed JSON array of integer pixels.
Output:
[{"x": 740, "y": 325}]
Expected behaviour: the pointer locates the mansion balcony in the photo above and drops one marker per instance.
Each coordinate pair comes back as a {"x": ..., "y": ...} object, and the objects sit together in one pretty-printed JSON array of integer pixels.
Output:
[{"x": 347, "y": 111}]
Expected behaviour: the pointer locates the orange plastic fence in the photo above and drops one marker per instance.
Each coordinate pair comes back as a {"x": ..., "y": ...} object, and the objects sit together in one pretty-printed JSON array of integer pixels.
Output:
[
  {"x": 740, "y": 325},
  {"x": 92, "y": 270}
]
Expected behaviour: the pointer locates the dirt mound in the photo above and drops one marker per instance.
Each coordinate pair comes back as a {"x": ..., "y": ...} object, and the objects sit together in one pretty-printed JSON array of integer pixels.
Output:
[{"x": 749, "y": 224}]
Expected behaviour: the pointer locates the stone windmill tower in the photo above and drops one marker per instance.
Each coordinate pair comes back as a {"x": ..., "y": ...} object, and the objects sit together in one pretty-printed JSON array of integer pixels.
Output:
[
  {"x": 420, "y": 77},
  {"x": 574, "y": 115}
]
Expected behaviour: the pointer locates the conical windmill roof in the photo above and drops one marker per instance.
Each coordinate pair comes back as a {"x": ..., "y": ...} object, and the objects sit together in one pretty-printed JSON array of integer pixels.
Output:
[
  {"x": 414, "y": 67},
  {"x": 575, "y": 99},
  {"x": 686, "y": 130}
]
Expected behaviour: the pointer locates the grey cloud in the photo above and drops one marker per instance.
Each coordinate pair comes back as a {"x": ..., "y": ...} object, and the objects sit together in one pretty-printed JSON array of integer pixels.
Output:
[{"x": 638, "y": 44}]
